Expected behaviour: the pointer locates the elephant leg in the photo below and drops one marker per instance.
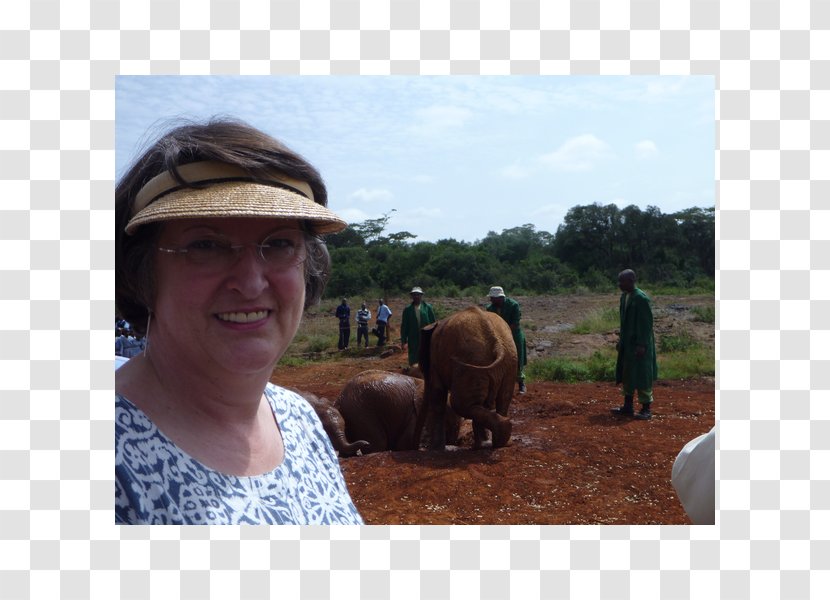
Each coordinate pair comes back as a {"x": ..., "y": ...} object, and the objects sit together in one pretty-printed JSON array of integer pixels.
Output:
[
  {"x": 479, "y": 435},
  {"x": 452, "y": 422},
  {"x": 484, "y": 419},
  {"x": 505, "y": 395},
  {"x": 437, "y": 407},
  {"x": 501, "y": 431}
]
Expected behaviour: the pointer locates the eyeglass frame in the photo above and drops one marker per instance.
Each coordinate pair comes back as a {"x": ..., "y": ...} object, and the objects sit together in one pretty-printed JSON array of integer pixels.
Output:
[{"x": 237, "y": 249}]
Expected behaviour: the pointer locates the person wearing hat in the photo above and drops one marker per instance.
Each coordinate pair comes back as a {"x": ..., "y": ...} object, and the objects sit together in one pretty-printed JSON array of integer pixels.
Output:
[
  {"x": 217, "y": 254},
  {"x": 509, "y": 310},
  {"x": 343, "y": 313},
  {"x": 415, "y": 316}
]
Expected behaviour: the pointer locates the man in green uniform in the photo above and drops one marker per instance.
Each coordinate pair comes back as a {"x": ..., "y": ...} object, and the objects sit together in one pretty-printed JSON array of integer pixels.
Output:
[
  {"x": 636, "y": 355},
  {"x": 414, "y": 317},
  {"x": 509, "y": 310}
]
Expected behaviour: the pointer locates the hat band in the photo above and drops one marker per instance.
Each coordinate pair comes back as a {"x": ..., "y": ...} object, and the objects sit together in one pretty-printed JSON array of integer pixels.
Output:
[{"x": 206, "y": 173}]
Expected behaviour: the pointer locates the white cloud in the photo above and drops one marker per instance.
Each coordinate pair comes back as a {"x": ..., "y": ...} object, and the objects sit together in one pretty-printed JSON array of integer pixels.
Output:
[
  {"x": 352, "y": 215},
  {"x": 371, "y": 194},
  {"x": 646, "y": 149},
  {"x": 579, "y": 153}
]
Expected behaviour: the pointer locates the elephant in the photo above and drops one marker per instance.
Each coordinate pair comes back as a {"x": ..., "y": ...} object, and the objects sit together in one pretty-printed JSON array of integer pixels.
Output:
[
  {"x": 333, "y": 424},
  {"x": 383, "y": 408},
  {"x": 471, "y": 355}
]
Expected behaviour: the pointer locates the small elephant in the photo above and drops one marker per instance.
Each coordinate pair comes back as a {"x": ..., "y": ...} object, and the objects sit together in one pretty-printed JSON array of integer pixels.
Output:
[
  {"x": 333, "y": 424},
  {"x": 471, "y": 355},
  {"x": 383, "y": 409}
]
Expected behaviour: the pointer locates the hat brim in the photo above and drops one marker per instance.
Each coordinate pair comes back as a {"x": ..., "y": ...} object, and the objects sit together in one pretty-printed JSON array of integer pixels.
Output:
[{"x": 243, "y": 199}]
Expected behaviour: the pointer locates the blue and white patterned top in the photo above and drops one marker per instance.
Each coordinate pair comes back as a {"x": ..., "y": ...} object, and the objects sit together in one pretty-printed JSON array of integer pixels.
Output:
[{"x": 157, "y": 483}]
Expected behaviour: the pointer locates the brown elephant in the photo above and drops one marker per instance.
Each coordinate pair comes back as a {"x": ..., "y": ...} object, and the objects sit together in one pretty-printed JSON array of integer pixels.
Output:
[
  {"x": 333, "y": 424},
  {"x": 471, "y": 355},
  {"x": 383, "y": 409}
]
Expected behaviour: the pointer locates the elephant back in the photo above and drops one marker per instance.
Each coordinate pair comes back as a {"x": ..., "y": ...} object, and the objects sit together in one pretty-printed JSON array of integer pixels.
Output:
[{"x": 475, "y": 339}]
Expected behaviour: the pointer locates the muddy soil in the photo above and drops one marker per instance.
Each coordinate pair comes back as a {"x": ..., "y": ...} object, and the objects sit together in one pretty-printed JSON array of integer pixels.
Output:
[{"x": 570, "y": 461}]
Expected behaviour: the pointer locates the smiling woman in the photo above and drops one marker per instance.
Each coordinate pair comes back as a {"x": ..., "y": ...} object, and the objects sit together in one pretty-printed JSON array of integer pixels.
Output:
[{"x": 217, "y": 256}]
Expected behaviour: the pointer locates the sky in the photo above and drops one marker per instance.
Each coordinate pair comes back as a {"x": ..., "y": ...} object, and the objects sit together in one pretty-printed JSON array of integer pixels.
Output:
[{"x": 459, "y": 156}]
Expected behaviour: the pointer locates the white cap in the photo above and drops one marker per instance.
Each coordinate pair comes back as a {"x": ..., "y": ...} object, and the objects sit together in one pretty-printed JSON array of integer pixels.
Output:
[
  {"x": 416, "y": 290},
  {"x": 496, "y": 292}
]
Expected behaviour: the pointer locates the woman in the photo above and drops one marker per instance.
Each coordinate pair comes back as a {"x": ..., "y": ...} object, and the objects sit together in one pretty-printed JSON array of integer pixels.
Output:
[{"x": 217, "y": 256}]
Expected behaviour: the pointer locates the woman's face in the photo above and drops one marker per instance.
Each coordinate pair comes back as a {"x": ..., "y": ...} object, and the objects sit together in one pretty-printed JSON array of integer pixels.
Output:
[{"x": 240, "y": 314}]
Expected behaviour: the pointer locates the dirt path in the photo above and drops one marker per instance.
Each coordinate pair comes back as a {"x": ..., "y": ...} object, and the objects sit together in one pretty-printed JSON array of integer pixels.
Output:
[{"x": 569, "y": 462}]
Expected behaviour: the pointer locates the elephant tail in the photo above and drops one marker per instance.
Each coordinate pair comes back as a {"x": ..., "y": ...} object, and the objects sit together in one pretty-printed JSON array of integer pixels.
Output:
[
  {"x": 500, "y": 356},
  {"x": 425, "y": 349},
  {"x": 488, "y": 376}
]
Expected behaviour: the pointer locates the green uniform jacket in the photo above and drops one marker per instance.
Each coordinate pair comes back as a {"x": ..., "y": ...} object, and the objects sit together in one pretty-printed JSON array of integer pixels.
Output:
[
  {"x": 411, "y": 330},
  {"x": 637, "y": 329},
  {"x": 511, "y": 313}
]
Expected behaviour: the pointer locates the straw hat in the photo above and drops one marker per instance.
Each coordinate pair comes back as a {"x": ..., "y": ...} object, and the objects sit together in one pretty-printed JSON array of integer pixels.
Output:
[
  {"x": 216, "y": 189},
  {"x": 496, "y": 292}
]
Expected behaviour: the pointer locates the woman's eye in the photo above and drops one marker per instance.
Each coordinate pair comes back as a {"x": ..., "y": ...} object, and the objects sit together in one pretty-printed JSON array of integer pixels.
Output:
[
  {"x": 205, "y": 245},
  {"x": 278, "y": 243}
]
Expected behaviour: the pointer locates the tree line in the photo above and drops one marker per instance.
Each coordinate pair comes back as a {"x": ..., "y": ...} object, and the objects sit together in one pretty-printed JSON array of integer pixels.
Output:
[{"x": 592, "y": 245}]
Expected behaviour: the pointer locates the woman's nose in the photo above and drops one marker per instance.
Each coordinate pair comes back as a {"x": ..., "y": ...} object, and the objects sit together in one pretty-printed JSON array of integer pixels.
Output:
[{"x": 248, "y": 274}]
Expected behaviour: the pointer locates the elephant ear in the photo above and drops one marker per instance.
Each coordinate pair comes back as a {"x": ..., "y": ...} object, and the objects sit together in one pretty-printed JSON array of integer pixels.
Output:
[{"x": 424, "y": 348}]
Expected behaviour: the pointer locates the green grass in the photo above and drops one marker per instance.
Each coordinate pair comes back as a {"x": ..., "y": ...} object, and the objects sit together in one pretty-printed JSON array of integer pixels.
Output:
[
  {"x": 600, "y": 366},
  {"x": 320, "y": 343},
  {"x": 682, "y": 341},
  {"x": 705, "y": 314},
  {"x": 693, "y": 362},
  {"x": 599, "y": 321},
  {"x": 679, "y": 356},
  {"x": 293, "y": 361}
]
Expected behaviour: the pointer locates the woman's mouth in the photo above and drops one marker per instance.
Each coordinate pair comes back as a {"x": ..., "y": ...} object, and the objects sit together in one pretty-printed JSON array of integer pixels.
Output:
[{"x": 243, "y": 317}]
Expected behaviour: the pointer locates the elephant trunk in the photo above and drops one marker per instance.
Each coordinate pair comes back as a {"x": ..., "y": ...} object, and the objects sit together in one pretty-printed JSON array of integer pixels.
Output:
[
  {"x": 335, "y": 428},
  {"x": 346, "y": 448}
]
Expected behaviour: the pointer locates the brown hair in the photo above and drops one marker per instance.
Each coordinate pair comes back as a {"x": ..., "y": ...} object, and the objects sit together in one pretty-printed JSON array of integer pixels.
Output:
[{"x": 226, "y": 140}]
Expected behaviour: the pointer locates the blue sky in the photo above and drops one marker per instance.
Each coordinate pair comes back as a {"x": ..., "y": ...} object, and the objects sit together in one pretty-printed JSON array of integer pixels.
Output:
[{"x": 457, "y": 157}]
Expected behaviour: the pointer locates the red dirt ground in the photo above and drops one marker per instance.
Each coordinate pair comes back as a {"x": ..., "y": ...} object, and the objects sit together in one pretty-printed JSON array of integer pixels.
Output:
[{"x": 569, "y": 461}]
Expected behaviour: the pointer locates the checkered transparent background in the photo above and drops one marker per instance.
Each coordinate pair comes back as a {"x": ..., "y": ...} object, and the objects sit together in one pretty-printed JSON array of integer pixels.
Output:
[{"x": 771, "y": 61}]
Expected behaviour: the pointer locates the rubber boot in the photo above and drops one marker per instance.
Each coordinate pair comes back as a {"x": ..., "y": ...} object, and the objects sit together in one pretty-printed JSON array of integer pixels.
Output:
[
  {"x": 645, "y": 412},
  {"x": 627, "y": 409}
]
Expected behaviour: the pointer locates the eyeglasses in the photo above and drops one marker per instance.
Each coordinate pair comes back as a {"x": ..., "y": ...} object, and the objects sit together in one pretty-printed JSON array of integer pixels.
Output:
[{"x": 279, "y": 250}]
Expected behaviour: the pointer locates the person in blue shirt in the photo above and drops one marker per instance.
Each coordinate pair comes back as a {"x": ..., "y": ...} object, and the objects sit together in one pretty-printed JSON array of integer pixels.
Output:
[{"x": 382, "y": 323}]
